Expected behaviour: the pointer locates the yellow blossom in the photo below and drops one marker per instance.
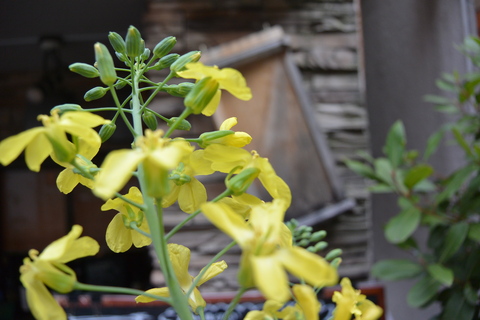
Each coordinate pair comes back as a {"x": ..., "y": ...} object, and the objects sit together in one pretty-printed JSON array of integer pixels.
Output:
[
  {"x": 40, "y": 142},
  {"x": 227, "y": 78},
  {"x": 228, "y": 158},
  {"x": 48, "y": 269},
  {"x": 229, "y": 138},
  {"x": 180, "y": 258},
  {"x": 158, "y": 155},
  {"x": 184, "y": 187},
  {"x": 120, "y": 236},
  {"x": 267, "y": 251},
  {"x": 352, "y": 302}
]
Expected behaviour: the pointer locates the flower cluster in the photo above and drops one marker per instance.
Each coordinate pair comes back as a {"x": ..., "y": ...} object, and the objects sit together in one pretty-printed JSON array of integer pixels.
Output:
[{"x": 160, "y": 171}]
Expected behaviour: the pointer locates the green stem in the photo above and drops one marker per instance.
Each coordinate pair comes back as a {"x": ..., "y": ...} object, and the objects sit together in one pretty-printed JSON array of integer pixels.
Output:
[
  {"x": 122, "y": 113},
  {"x": 234, "y": 302},
  {"x": 160, "y": 86},
  {"x": 104, "y": 109},
  {"x": 182, "y": 117},
  {"x": 179, "y": 226},
  {"x": 134, "y": 226},
  {"x": 109, "y": 289}
]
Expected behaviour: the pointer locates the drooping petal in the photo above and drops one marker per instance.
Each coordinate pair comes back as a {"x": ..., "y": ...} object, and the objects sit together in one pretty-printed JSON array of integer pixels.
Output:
[
  {"x": 138, "y": 239},
  {"x": 369, "y": 310},
  {"x": 87, "y": 119},
  {"x": 213, "y": 104},
  {"x": 180, "y": 257},
  {"x": 67, "y": 180},
  {"x": 116, "y": 170},
  {"x": 118, "y": 237},
  {"x": 161, "y": 292},
  {"x": 227, "y": 124},
  {"x": 214, "y": 270},
  {"x": 37, "y": 151},
  {"x": 270, "y": 277},
  {"x": 199, "y": 164},
  {"x": 172, "y": 196},
  {"x": 225, "y": 158},
  {"x": 234, "y": 82},
  {"x": 191, "y": 196},
  {"x": 307, "y": 301},
  {"x": 11, "y": 147},
  {"x": 308, "y": 266}
]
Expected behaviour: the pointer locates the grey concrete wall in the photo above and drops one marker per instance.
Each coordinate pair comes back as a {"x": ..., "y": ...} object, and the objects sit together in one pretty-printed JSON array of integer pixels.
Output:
[{"x": 407, "y": 45}]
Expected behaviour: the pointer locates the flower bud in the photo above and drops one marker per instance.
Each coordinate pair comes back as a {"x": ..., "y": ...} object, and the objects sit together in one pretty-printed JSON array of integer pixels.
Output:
[
  {"x": 120, "y": 84},
  {"x": 117, "y": 42},
  {"x": 166, "y": 61},
  {"x": 183, "y": 125},
  {"x": 242, "y": 181},
  {"x": 164, "y": 47},
  {"x": 133, "y": 43},
  {"x": 122, "y": 57},
  {"x": 179, "y": 64},
  {"x": 145, "y": 55},
  {"x": 95, "y": 93},
  {"x": 84, "y": 69},
  {"x": 335, "y": 253},
  {"x": 209, "y": 138},
  {"x": 201, "y": 95},
  {"x": 321, "y": 245},
  {"x": 107, "y": 130},
  {"x": 105, "y": 64},
  {"x": 319, "y": 235},
  {"x": 150, "y": 119},
  {"x": 180, "y": 90},
  {"x": 66, "y": 107}
]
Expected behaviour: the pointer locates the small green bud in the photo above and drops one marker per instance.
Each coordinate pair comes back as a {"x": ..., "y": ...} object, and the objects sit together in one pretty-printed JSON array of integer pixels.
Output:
[
  {"x": 150, "y": 119},
  {"x": 84, "y": 69},
  {"x": 117, "y": 42},
  {"x": 105, "y": 64},
  {"x": 95, "y": 93},
  {"x": 133, "y": 43},
  {"x": 336, "y": 262},
  {"x": 201, "y": 95},
  {"x": 242, "y": 181},
  {"x": 208, "y": 138},
  {"x": 164, "y": 47},
  {"x": 180, "y": 90},
  {"x": 319, "y": 235},
  {"x": 145, "y": 55},
  {"x": 120, "y": 84},
  {"x": 179, "y": 64},
  {"x": 321, "y": 246},
  {"x": 333, "y": 254},
  {"x": 106, "y": 131},
  {"x": 303, "y": 243},
  {"x": 122, "y": 57},
  {"x": 66, "y": 107},
  {"x": 184, "y": 124},
  {"x": 166, "y": 61}
]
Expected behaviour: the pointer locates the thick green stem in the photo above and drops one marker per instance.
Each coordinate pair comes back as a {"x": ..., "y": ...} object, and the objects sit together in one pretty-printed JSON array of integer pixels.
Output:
[
  {"x": 234, "y": 302},
  {"x": 91, "y": 287}
]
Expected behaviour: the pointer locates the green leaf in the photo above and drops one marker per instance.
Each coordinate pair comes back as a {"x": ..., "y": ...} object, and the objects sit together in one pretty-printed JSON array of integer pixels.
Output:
[
  {"x": 380, "y": 188},
  {"x": 470, "y": 294},
  {"x": 455, "y": 181},
  {"x": 423, "y": 292},
  {"x": 383, "y": 170},
  {"x": 447, "y": 108},
  {"x": 444, "y": 85},
  {"x": 441, "y": 274},
  {"x": 425, "y": 186},
  {"x": 361, "y": 169},
  {"x": 461, "y": 141},
  {"x": 396, "y": 269},
  {"x": 457, "y": 307},
  {"x": 395, "y": 145},
  {"x": 474, "y": 232},
  {"x": 436, "y": 99},
  {"x": 432, "y": 144},
  {"x": 453, "y": 240},
  {"x": 417, "y": 174},
  {"x": 400, "y": 227}
]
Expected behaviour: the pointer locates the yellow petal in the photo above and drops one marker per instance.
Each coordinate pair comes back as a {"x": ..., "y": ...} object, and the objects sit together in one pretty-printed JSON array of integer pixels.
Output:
[
  {"x": 67, "y": 180},
  {"x": 225, "y": 158},
  {"x": 257, "y": 315},
  {"x": 307, "y": 301},
  {"x": 11, "y": 147},
  {"x": 116, "y": 170},
  {"x": 162, "y": 292},
  {"x": 191, "y": 196},
  {"x": 308, "y": 266},
  {"x": 234, "y": 82},
  {"x": 214, "y": 270},
  {"x": 37, "y": 151},
  {"x": 227, "y": 124},
  {"x": 270, "y": 277},
  {"x": 199, "y": 164},
  {"x": 138, "y": 239},
  {"x": 83, "y": 118},
  {"x": 213, "y": 104},
  {"x": 180, "y": 257},
  {"x": 369, "y": 310},
  {"x": 196, "y": 300},
  {"x": 172, "y": 196},
  {"x": 118, "y": 237}
]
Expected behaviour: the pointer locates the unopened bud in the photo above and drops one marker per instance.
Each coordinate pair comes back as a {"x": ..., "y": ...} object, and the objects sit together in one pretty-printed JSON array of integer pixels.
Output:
[
  {"x": 242, "y": 181},
  {"x": 319, "y": 235},
  {"x": 201, "y": 95},
  {"x": 133, "y": 43},
  {"x": 179, "y": 64},
  {"x": 321, "y": 246},
  {"x": 180, "y": 90},
  {"x": 106, "y": 131},
  {"x": 105, "y": 64},
  {"x": 150, "y": 119},
  {"x": 145, "y": 55},
  {"x": 166, "y": 61},
  {"x": 183, "y": 125},
  {"x": 120, "y": 84},
  {"x": 208, "y": 138},
  {"x": 84, "y": 69},
  {"x": 95, "y": 93},
  {"x": 122, "y": 57},
  {"x": 117, "y": 42},
  {"x": 164, "y": 47},
  {"x": 66, "y": 107},
  {"x": 333, "y": 254}
]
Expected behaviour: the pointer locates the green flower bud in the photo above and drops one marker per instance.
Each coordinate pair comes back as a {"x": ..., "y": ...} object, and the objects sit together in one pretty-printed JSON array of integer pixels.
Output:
[
  {"x": 164, "y": 47},
  {"x": 180, "y": 90},
  {"x": 84, "y": 69},
  {"x": 117, "y": 42},
  {"x": 336, "y": 262},
  {"x": 321, "y": 246},
  {"x": 166, "y": 61},
  {"x": 145, "y": 55},
  {"x": 179, "y": 64},
  {"x": 95, "y": 93},
  {"x": 303, "y": 243},
  {"x": 66, "y": 107},
  {"x": 105, "y": 64},
  {"x": 150, "y": 119},
  {"x": 333, "y": 254},
  {"x": 106, "y": 131},
  {"x": 120, "y": 84},
  {"x": 319, "y": 235},
  {"x": 201, "y": 95},
  {"x": 122, "y": 57},
  {"x": 242, "y": 181},
  {"x": 133, "y": 43},
  {"x": 184, "y": 124},
  {"x": 208, "y": 138}
]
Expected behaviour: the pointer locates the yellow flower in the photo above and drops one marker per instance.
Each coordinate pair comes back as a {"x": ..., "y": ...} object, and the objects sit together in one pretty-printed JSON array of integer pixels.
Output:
[
  {"x": 225, "y": 136},
  {"x": 48, "y": 268},
  {"x": 227, "y": 158},
  {"x": 270, "y": 311},
  {"x": 185, "y": 187},
  {"x": 227, "y": 78},
  {"x": 267, "y": 251},
  {"x": 242, "y": 204},
  {"x": 157, "y": 155},
  {"x": 40, "y": 142},
  {"x": 352, "y": 302},
  {"x": 120, "y": 236},
  {"x": 180, "y": 257}
]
